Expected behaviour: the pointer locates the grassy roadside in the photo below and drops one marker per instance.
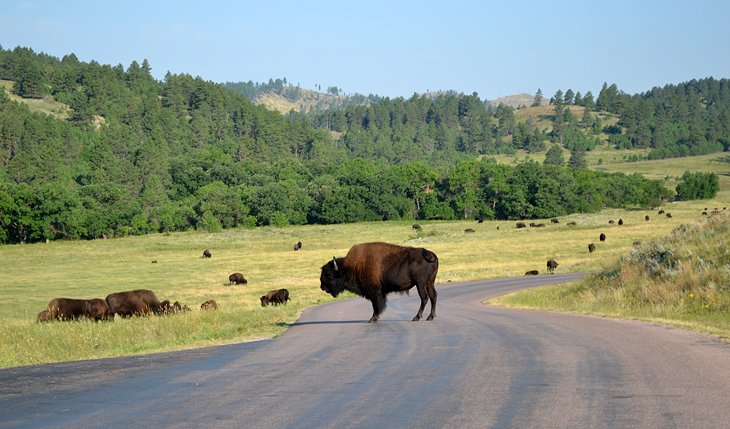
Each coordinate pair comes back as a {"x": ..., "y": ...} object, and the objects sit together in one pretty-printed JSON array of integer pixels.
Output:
[{"x": 682, "y": 279}]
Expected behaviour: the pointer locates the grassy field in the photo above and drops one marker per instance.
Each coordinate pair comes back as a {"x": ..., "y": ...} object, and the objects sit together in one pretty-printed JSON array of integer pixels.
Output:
[
  {"x": 46, "y": 105},
  {"x": 31, "y": 275}
]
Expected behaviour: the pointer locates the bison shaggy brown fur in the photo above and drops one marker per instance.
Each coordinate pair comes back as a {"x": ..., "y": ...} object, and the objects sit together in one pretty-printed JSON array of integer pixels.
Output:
[
  {"x": 71, "y": 308},
  {"x": 276, "y": 297},
  {"x": 138, "y": 302},
  {"x": 209, "y": 305},
  {"x": 373, "y": 270},
  {"x": 237, "y": 278},
  {"x": 532, "y": 273}
]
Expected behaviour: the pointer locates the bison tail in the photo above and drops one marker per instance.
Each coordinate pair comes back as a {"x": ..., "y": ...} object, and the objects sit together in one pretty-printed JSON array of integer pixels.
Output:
[{"x": 429, "y": 256}]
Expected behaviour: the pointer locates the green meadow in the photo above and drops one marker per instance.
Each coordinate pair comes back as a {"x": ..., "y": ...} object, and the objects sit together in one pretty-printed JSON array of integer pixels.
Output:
[{"x": 33, "y": 274}]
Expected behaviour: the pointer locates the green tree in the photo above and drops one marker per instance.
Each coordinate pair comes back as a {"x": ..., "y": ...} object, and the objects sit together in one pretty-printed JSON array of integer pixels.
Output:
[
  {"x": 698, "y": 186},
  {"x": 537, "y": 101},
  {"x": 577, "y": 159},
  {"x": 554, "y": 156}
]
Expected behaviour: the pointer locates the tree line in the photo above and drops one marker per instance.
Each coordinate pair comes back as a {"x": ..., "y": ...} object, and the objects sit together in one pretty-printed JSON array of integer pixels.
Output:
[{"x": 136, "y": 155}]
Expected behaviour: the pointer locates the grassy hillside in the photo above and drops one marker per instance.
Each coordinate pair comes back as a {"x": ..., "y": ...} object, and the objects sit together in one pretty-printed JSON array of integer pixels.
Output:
[
  {"x": 45, "y": 105},
  {"x": 31, "y": 275},
  {"x": 681, "y": 279}
]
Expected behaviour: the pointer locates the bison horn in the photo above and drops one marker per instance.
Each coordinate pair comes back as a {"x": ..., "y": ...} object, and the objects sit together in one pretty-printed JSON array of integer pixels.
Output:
[{"x": 334, "y": 261}]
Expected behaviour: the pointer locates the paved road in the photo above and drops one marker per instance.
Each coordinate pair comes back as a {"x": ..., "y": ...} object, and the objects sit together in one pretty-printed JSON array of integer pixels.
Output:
[{"x": 474, "y": 366}]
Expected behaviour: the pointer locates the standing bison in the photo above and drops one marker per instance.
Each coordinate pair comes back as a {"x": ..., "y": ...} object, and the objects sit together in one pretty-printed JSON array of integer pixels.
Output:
[
  {"x": 373, "y": 270},
  {"x": 591, "y": 248},
  {"x": 551, "y": 266},
  {"x": 135, "y": 303},
  {"x": 276, "y": 297},
  {"x": 206, "y": 253}
]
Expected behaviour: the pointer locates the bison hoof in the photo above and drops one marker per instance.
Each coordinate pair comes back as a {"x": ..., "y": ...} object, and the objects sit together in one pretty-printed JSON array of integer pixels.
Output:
[
  {"x": 416, "y": 318},
  {"x": 373, "y": 319},
  {"x": 430, "y": 317}
]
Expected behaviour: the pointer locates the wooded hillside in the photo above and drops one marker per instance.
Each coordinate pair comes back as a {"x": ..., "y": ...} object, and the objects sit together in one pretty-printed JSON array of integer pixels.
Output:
[{"x": 132, "y": 155}]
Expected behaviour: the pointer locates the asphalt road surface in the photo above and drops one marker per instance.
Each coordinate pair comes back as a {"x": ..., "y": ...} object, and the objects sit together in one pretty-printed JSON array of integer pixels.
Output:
[{"x": 474, "y": 366}]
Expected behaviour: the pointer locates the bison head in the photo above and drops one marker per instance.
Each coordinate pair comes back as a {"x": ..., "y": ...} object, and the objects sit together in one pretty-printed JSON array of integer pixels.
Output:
[{"x": 332, "y": 280}]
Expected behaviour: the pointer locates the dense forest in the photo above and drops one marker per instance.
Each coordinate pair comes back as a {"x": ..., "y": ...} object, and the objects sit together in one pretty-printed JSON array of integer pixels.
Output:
[{"x": 132, "y": 155}]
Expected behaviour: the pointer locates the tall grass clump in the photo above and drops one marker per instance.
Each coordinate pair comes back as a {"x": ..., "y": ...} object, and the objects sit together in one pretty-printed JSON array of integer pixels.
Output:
[{"x": 683, "y": 278}]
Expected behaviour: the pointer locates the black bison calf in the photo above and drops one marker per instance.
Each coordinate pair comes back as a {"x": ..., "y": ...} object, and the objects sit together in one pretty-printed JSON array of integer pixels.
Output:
[
  {"x": 373, "y": 270},
  {"x": 591, "y": 248},
  {"x": 551, "y": 266},
  {"x": 297, "y": 246},
  {"x": 237, "y": 278},
  {"x": 206, "y": 253},
  {"x": 532, "y": 273},
  {"x": 209, "y": 305},
  {"x": 71, "y": 309},
  {"x": 276, "y": 297}
]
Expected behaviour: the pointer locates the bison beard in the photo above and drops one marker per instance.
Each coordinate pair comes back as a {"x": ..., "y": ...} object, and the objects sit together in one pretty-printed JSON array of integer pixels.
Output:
[{"x": 373, "y": 270}]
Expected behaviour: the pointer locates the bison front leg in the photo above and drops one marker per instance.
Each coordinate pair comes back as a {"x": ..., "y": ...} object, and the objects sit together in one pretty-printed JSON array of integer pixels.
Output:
[{"x": 378, "y": 306}]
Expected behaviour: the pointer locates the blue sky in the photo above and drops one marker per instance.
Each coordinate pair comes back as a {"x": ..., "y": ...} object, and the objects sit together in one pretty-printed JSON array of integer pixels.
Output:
[{"x": 392, "y": 48}]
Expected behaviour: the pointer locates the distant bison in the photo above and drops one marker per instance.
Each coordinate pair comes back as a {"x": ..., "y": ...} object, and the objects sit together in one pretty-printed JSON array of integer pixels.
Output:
[
  {"x": 646, "y": 217},
  {"x": 138, "y": 302},
  {"x": 206, "y": 253},
  {"x": 637, "y": 243},
  {"x": 620, "y": 221},
  {"x": 662, "y": 211},
  {"x": 591, "y": 248},
  {"x": 531, "y": 273},
  {"x": 554, "y": 220},
  {"x": 551, "y": 266},
  {"x": 669, "y": 214},
  {"x": 602, "y": 237},
  {"x": 537, "y": 225},
  {"x": 209, "y": 305},
  {"x": 373, "y": 270},
  {"x": 571, "y": 224},
  {"x": 520, "y": 225},
  {"x": 71, "y": 309},
  {"x": 43, "y": 316},
  {"x": 416, "y": 226},
  {"x": 469, "y": 231},
  {"x": 237, "y": 278},
  {"x": 297, "y": 246},
  {"x": 611, "y": 221},
  {"x": 276, "y": 297}
]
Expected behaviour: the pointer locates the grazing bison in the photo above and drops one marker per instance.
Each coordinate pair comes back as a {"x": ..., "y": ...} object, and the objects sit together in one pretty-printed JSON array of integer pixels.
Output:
[
  {"x": 571, "y": 224},
  {"x": 704, "y": 213},
  {"x": 520, "y": 225},
  {"x": 591, "y": 248},
  {"x": 662, "y": 211},
  {"x": 554, "y": 220},
  {"x": 646, "y": 217},
  {"x": 416, "y": 226},
  {"x": 532, "y": 273},
  {"x": 551, "y": 266},
  {"x": 620, "y": 221},
  {"x": 237, "y": 278},
  {"x": 206, "y": 253},
  {"x": 602, "y": 237},
  {"x": 297, "y": 246},
  {"x": 610, "y": 221},
  {"x": 373, "y": 270},
  {"x": 135, "y": 303},
  {"x": 71, "y": 308},
  {"x": 637, "y": 243},
  {"x": 43, "y": 316},
  {"x": 469, "y": 231},
  {"x": 669, "y": 214},
  {"x": 209, "y": 305},
  {"x": 276, "y": 297}
]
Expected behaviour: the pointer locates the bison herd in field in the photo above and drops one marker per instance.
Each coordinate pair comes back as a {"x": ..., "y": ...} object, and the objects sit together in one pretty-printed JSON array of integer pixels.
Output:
[{"x": 141, "y": 302}]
